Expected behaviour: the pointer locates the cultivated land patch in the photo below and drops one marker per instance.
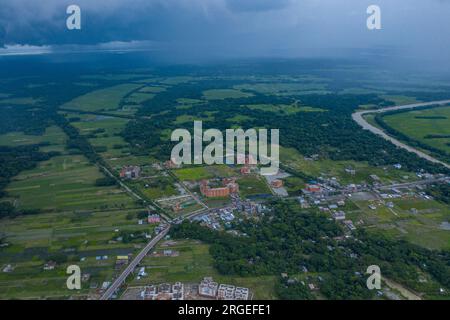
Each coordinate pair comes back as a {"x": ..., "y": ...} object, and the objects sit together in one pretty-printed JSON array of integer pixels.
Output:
[
  {"x": 65, "y": 183},
  {"x": 79, "y": 236}
]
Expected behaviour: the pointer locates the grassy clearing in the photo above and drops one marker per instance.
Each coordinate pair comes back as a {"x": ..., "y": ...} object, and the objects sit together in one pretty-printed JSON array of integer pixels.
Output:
[{"x": 253, "y": 185}]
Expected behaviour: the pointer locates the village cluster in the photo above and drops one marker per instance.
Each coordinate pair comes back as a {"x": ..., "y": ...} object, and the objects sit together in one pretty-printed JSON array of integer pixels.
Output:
[{"x": 326, "y": 194}]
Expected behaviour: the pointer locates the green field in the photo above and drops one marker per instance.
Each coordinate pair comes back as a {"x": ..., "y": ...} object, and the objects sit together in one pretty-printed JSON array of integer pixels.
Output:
[
  {"x": 400, "y": 222},
  {"x": 400, "y": 100},
  {"x": 103, "y": 132},
  {"x": 192, "y": 265},
  {"x": 65, "y": 183},
  {"x": 204, "y": 172},
  {"x": 418, "y": 124},
  {"x": 253, "y": 185},
  {"x": 107, "y": 99}
]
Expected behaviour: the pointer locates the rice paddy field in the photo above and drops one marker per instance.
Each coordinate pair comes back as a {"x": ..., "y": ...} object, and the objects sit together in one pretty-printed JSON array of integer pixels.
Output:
[
  {"x": 65, "y": 183},
  {"x": 77, "y": 222}
]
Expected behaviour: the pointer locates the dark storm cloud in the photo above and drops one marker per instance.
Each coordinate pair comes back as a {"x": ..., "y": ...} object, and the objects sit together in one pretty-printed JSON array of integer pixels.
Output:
[
  {"x": 256, "y": 5},
  {"x": 230, "y": 28}
]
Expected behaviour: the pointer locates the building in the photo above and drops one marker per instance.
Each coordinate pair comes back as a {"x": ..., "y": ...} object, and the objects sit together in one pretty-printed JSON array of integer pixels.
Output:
[
  {"x": 349, "y": 224},
  {"x": 277, "y": 183},
  {"x": 178, "y": 291},
  {"x": 208, "y": 288},
  {"x": 313, "y": 188},
  {"x": 130, "y": 172},
  {"x": 340, "y": 215},
  {"x": 50, "y": 265},
  {"x": 350, "y": 171},
  {"x": 153, "y": 219},
  {"x": 164, "y": 291},
  {"x": 245, "y": 170},
  {"x": 230, "y": 186},
  {"x": 226, "y": 292},
  {"x": 241, "y": 293}
]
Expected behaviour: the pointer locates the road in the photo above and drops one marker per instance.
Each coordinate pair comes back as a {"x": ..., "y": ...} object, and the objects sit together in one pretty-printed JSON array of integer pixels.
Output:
[
  {"x": 359, "y": 118},
  {"x": 121, "y": 278},
  {"x": 414, "y": 183}
]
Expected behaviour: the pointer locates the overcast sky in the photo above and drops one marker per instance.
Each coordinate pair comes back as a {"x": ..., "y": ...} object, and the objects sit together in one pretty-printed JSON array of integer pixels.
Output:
[{"x": 227, "y": 28}]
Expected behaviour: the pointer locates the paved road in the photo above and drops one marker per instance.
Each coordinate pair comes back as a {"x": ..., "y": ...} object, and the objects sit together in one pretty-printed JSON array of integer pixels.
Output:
[
  {"x": 359, "y": 118},
  {"x": 414, "y": 183},
  {"x": 121, "y": 279}
]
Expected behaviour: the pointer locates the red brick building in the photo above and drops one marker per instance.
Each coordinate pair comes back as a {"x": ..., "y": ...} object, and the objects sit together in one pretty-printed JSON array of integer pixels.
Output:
[{"x": 230, "y": 186}]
